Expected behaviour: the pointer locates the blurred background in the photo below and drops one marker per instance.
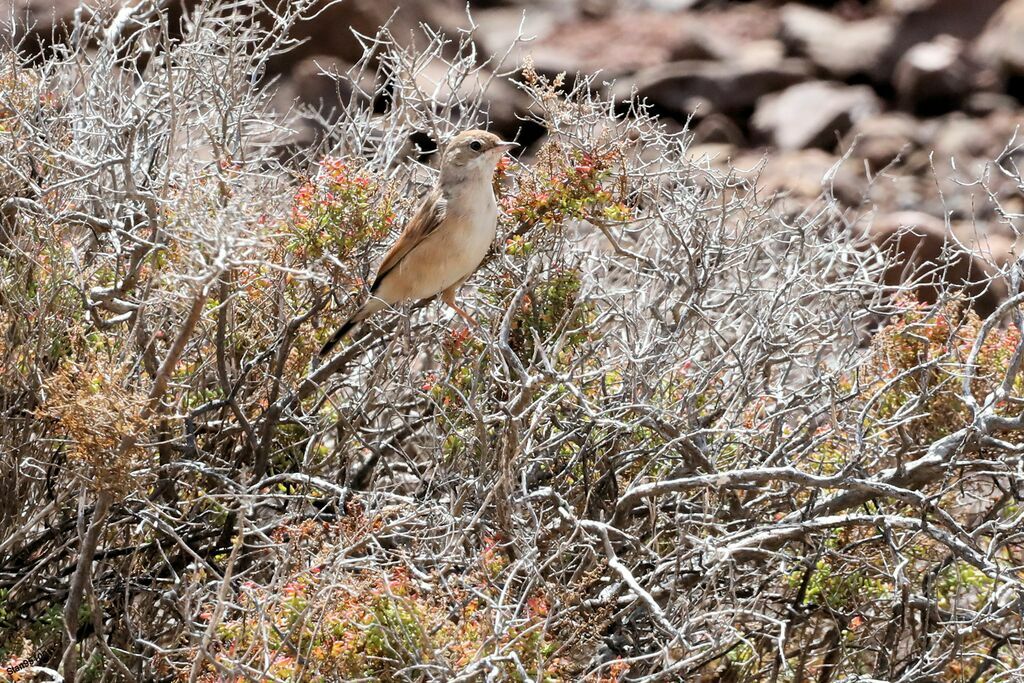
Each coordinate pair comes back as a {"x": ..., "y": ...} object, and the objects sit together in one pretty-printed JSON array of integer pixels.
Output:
[{"x": 927, "y": 93}]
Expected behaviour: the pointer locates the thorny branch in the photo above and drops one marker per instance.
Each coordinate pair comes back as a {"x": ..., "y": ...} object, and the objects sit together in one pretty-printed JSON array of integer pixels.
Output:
[{"x": 695, "y": 438}]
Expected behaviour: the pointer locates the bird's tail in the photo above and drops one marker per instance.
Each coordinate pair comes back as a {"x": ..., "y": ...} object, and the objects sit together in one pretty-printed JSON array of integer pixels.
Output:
[
  {"x": 338, "y": 336},
  {"x": 364, "y": 312}
]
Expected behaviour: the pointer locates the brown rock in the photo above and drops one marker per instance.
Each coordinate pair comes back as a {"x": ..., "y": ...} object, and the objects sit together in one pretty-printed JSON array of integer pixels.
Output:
[
  {"x": 963, "y": 19},
  {"x": 760, "y": 52},
  {"x": 728, "y": 27},
  {"x": 320, "y": 81},
  {"x": 841, "y": 49},
  {"x": 620, "y": 44},
  {"x": 922, "y": 252},
  {"x": 986, "y": 103},
  {"x": 316, "y": 90},
  {"x": 1002, "y": 43},
  {"x": 43, "y": 16},
  {"x": 32, "y": 25},
  {"x": 797, "y": 178},
  {"x": 502, "y": 101},
  {"x": 997, "y": 247},
  {"x": 500, "y": 27},
  {"x": 964, "y": 138},
  {"x": 804, "y": 175},
  {"x": 717, "y": 155},
  {"x": 718, "y": 128},
  {"x": 902, "y": 6},
  {"x": 881, "y": 139},
  {"x": 934, "y": 77},
  {"x": 682, "y": 88},
  {"x": 330, "y": 32},
  {"x": 813, "y": 114}
]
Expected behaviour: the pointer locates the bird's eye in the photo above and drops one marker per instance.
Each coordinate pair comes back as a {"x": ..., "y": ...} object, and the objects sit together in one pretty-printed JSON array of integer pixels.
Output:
[{"x": 475, "y": 145}]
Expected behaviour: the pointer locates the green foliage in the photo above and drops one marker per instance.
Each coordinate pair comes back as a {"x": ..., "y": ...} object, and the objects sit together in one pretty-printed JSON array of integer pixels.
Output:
[
  {"x": 838, "y": 586},
  {"x": 678, "y": 373},
  {"x": 551, "y": 307},
  {"x": 339, "y": 211},
  {"x": 568, "y": 184},
  {"x": 962, "y": 583},
  {"x": 939, "y": 343}
]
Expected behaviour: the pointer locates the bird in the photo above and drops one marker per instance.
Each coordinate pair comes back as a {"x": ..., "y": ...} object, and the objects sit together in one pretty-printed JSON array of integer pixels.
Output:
[{"x": 447, "y": 237}]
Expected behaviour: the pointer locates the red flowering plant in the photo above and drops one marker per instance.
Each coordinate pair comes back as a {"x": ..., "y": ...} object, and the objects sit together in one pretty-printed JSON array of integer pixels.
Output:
[
  {"x": 463, "y": 358},
  {"x": 906, "y": 391},
  {"x": 571, "y": 183},
  {"x": 337, "y": 215},
  {"x": 917, "y": 365},
  {"x": 567, "y": 183},
  {"x": 906, "y": 394},
  {"x": 564, "y": 186},
  {"x": 326, "y": 623},
  {"x": 38, "y": 256},
  {"x": 335, "y": 220}
]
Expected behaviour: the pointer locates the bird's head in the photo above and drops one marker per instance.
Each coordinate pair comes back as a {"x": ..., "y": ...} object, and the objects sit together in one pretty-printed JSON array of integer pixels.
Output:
[{"x": 473, "y": 152}]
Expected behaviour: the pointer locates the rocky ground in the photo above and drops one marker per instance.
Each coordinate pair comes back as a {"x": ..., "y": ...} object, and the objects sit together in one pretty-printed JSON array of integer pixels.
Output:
[
  {"x": 914, "y": 102},
  {"x": 905, "y": 110}
]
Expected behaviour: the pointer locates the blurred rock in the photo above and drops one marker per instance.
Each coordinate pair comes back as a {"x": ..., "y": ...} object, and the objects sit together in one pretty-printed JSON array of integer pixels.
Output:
[
  {"x": 803, "y": 175},
  {"x": 732, "y": 88},
  {"x": 728, "y": 27},
  {"x": 43, "y": 17},
  {"x": 934, "y": 77},
  {"x": 758, "y": 53},
  {"x": 502, "y": 101},
  {"x": 717, "y": 128},
  {"x": 922, "y": 251},
  {"x": 989, "y": 243},
  {"x": 500, "y": 27},
  {"x": 880, "y": 139},
  {"x": 841, "y": 49},
  {"x": 489, "y": 4},
  {"x": 319, "y": 81},
  {"x": 34, "y": 24},
  {"x": 964, "y": 19},
  {"x": 669, "y": 5},
  {"x": 620, "y": 44},
  {"x": 715, "y": 155},
  {"x": 813, "y": 114},
  {"x": 316, "y": 90},
  {"x": 330, "y": 32},
  {"x": 1002, "y": 43},
  {"x": 595, "y": 9},
  {"x": 902, "y": 6},
  {"x": 964, "y": 138},
  {"x": 985, "y": 103}
]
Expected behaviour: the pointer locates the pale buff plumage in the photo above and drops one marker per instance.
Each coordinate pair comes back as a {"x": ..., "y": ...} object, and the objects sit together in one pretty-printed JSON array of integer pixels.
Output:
[{"x": 447, "y": 237}]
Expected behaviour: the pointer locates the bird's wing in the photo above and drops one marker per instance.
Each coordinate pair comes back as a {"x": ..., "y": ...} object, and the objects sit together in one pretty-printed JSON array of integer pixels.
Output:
[{"x": 426, "y": 220}]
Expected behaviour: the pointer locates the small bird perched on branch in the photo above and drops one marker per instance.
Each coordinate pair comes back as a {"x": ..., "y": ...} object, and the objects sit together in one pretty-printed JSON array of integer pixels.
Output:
[{"x": 447, "y": 237}]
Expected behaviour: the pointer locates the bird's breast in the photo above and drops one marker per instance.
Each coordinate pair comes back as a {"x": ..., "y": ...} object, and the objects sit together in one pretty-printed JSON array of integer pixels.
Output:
[
  {"x": 453, "y": 251},
  {"x": 468, "y": 244}
]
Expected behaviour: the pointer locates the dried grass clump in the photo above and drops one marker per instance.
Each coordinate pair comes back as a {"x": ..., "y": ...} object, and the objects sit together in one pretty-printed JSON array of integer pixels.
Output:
[{"x": 101, "y": 422}]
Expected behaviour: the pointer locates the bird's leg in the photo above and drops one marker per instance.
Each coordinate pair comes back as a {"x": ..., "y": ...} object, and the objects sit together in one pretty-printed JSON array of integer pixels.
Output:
[{"x": 448, "y": 296}]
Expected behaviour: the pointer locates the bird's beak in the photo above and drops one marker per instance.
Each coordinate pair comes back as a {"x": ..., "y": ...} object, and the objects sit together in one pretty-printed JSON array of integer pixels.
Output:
[{"x": 507, "y": 146}]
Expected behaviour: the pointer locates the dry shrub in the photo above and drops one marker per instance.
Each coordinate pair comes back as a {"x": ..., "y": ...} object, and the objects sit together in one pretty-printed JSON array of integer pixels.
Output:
[
  {"x": 668, "y": 454},
  {"x": 100, "y": 421}
]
